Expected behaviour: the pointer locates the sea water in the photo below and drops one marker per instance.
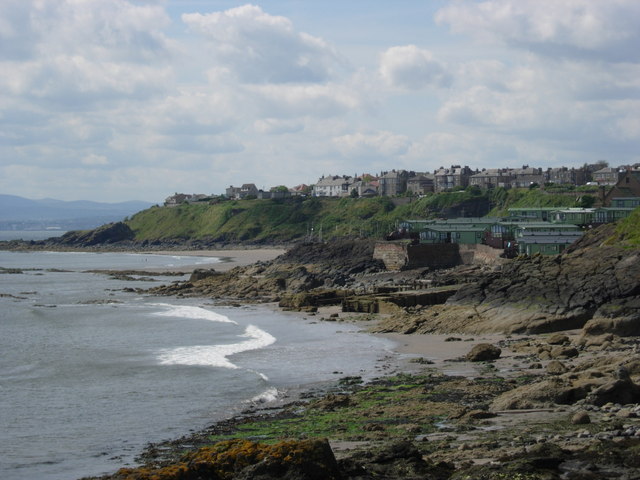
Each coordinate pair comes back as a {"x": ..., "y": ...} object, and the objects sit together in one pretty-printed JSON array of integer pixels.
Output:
[{"x": 90, "y": 373}]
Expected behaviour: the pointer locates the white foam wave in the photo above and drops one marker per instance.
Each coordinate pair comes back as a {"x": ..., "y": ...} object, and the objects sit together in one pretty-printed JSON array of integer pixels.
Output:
[
  {"x": 185, "y": 311},
  {"x": 268, "y": 395},
  {"x": 216, "y": 355}
]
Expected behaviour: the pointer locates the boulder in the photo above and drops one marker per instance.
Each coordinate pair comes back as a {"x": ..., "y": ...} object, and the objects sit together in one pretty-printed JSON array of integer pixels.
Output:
[
  {"x": 556, "y": 367},
  {"x": 620, "y": 390},
  {"x": 558, "y": 339},
  {"x": 580, "y": 418},
  {"x": 483, "y": 352}
]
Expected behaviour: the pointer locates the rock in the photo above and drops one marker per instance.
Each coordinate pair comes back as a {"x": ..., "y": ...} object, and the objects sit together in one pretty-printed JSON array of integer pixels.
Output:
[
  {"x": 558, "y": 339},
  {"x": 202, "y": 273},
  {"x": 580, "y": 418},
  {"x": 245, "y": 460},
  {"x": 398, "y": 459},
  {"x": 332, "y": 402},
  {"x": 545, "y": 393},
  {"x": 556, "y": 367},
  {"x": 483, "y": 352},
  {"x": 622, "y": 391},
  {"x": 105, "y": 234},
  {"x": 563, "y": 352}
]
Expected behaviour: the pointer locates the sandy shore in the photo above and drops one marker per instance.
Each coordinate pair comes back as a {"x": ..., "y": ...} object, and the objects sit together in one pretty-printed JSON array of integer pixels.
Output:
[{"x": 229, "y": 258}]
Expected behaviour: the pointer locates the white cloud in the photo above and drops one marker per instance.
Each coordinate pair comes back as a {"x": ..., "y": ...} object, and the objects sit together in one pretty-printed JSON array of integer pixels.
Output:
[
  {"x": 596, "y": 30},
  {"x": 274, "y": 126},
  {"x": 378, "y": 144},
  {"x": 95, "y": 160},
  {"x": 412, "y": 68},
  {"x": 263, "y": 48},
  {"x": 317, "y": 100}
]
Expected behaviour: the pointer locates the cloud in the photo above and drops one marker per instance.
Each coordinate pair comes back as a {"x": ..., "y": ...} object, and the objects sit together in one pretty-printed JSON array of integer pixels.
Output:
[
  {"x": 95, "y": 160},
  {"x": 582, "y": 29},
  {"x": 378, "y": 144},
  {"x": 274, "y": 126},
  {"x": 74, "y": 53},
  {"x": 412, "y": 68},
  {"x": 316, "y": 100},
  {"x": 263, "y": 48}
]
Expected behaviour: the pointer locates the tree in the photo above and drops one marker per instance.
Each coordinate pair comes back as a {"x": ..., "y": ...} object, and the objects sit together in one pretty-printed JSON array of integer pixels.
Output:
[{"x": 354, "y": 193}]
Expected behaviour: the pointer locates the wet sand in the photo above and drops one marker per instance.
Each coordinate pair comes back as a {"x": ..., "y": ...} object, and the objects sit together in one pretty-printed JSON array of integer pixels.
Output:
[{"x": 229, "y": 258}]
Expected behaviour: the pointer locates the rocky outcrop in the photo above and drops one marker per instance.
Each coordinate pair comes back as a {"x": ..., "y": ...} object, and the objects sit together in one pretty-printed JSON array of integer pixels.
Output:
[
  {"x": 592, "y": 285},
  {"x": 317, "y": 267},
  {"x": 107, "y": 234}
]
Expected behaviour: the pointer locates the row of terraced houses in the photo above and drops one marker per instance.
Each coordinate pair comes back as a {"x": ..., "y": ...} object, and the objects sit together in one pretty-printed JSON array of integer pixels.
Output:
[{"x": 397, "y": 182}]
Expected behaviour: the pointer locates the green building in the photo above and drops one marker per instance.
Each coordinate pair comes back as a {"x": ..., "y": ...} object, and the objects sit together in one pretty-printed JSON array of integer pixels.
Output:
[
  {"x": 625, "y": 202},
  {"x": 531, "y": 214},
  {"x": 449, "y": 233},
  {"x": 546, "y": 243}
]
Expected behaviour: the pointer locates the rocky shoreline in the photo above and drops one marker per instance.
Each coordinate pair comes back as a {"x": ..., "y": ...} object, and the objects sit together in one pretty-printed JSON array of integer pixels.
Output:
[{"x": 554, "y": 396}]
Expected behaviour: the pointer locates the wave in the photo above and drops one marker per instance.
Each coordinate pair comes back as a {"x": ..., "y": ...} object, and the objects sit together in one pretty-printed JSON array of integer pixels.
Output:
[
  {"x": 269, "y": 395},
  {"x": 184, "y": 311},
  {"x": 216, "y": 355}
]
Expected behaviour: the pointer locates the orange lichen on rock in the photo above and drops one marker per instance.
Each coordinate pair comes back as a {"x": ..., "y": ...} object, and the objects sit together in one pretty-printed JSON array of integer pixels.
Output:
[{"x": 305, "y": 459}]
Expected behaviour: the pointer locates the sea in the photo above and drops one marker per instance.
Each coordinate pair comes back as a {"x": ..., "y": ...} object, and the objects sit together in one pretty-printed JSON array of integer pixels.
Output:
[{"x": 91, "y": 372}]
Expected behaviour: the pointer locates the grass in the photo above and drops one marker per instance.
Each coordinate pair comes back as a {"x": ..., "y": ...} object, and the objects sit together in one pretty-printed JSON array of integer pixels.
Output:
[{"x": 628, "y": 230}]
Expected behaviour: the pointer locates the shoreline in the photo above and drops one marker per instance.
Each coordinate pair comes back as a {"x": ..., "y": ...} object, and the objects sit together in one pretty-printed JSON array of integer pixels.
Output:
[
  {"x": 470, "y": 422},
  {"x": 229, "y": 259}
]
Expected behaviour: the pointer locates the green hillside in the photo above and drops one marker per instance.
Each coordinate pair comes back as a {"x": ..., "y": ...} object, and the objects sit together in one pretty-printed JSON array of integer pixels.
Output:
[
  {"x": 628, "y": 230},
  {"x": 271, "y": 221},
  {"x": 523, "y": 197}
]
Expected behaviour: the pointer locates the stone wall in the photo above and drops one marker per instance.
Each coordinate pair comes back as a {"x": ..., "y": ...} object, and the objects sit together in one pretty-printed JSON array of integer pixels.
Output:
[{"x": 402, "y": 255}]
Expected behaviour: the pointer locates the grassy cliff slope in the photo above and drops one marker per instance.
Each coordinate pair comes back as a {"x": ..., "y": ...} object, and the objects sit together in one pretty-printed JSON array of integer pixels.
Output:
[{"x": 269, "y": 221}]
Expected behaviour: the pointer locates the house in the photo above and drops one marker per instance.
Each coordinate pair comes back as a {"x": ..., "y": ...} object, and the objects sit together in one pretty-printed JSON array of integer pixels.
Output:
[
  {"x": 177, "y": 199},
  {"x": 526, "y": 176},
  {"x": 625, "y": 202},
  {"x": 393, "y": 183},
  {"x": 505, "y": 234},
  {"x": 566, "y": 176},
  {"x": 546, "y": 243},
  {"x": 611, "y": 214},
  {"x": 607, "y": 176},
  {"x": 575, "y": 216},
  {"x": 450, "y": 233},
  {"x": 248, "y": 189},
  {"x": 628, "y": 186},
  {"x": 531, "y": 214},
  {"x": 232, "y": 192},
  {"x": 421, "y": 184},
  {"x": 244, "y": 191},
  {"x": 333, "y": 186},
  {"x": 365, "y": 188},
  {"x": 492, "y": 178},
  {"x": 449, "y": 178}
]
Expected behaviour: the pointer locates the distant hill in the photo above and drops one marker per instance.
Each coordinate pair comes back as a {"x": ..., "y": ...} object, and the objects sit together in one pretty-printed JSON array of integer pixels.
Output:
[{"x": 18, "y": 213}]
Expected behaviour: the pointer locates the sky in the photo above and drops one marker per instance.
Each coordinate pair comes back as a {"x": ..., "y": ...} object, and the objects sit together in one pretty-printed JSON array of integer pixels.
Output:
[{"x": 114, "y": 100}]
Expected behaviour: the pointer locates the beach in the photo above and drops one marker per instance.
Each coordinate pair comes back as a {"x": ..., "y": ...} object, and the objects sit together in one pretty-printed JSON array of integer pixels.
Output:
[{"x": 229, "y": 258}]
